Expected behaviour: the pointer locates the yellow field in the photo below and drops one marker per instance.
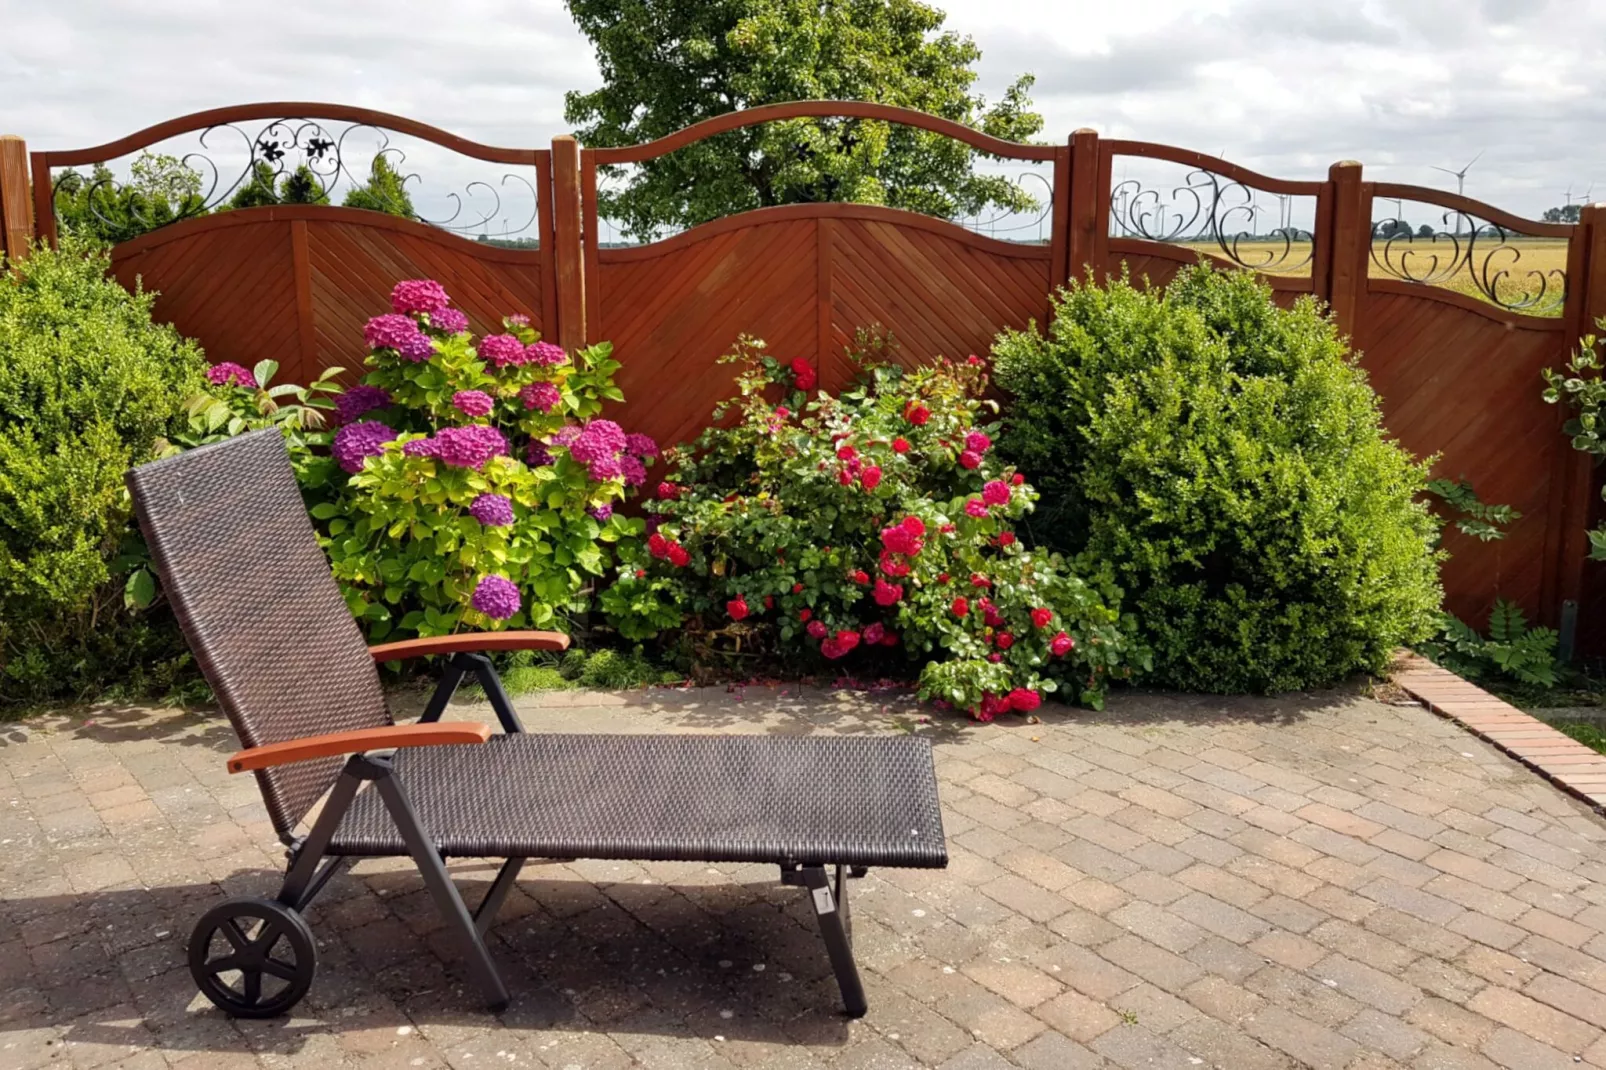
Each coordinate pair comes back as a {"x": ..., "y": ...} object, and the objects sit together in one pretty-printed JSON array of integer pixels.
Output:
[{"x": 1518, "y": 257}]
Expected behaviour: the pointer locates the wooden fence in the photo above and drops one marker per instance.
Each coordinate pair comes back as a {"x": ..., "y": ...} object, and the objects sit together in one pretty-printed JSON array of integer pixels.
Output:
[{"x": 1445, "y": 326}]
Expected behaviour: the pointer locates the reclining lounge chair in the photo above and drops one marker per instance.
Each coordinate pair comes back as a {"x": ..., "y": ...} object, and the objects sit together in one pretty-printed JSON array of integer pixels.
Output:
[{"x": 252, "y": 590}]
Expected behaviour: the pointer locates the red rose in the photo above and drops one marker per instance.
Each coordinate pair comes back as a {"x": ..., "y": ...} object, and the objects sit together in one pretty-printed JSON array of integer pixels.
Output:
[
  {"x": 769, "y": 601},
  {"x": 870, "y": 478},
  {"x": 847, "y": 639},
  {"x": 861, "y": 577},
  {"x": 657, "y": 545},
  {"x": 846, "y": 453},
  {"x": 736, "y": 607},
  {"x": 913, "y": 525},
  {"x": 900, "y": 445},
  {"x": 845, "y": 477},
  {"x": 1061, "y": 645},
  {"x": 961, "y": 606},
  {"x": 1042, "y": 617},
  {"x": 917, "y": 414},
  {"x": 816, "y": 628},
  {"x": 1017, "y": 479},
  {"x": 978, "y": 580},
  {"x": 805, "y": 613},
  {"x": 641, "y": 573},
  {"x": 1004, "y": 640},
  {"x": 995, "y": 657},
  {"x": 668, "y": 491},
  {"x": 1024, "y": 701},
  {"x": 942, "y": 577},
  {"x": 782, "y": 411},
  {"x": 973, "y": 359},
  {"x": 803, "y": 374},
  {"x": 797, "y": 588},
  {"x": 970, "y": 459},
  {"x": 1006, "y": 538},
  {"x": 678, "y": 555},
  {"x": 889, "y": 639},
  {"x": 887, "y": 594}
]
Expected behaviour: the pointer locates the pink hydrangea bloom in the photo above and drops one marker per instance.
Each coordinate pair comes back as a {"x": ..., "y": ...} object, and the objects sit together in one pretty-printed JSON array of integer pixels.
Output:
[
  {"x": 396, "y": 332},
  {"x": 492, "y": 510},
  {"x": 502, "y": 350},
  {"x": 605, "y": 468},
  {"x": 496, "y": 597},
  {"x": 641, "y": 445},
  {"x": 360, "y": 400},
  {"x": 995, "y": 492},
  {"x": 635, "y": 472},
  {"x": 544, "y": 353},
  {"x": 599, "y": 438},
  {"x": 418, "y": 295},
  {"x": 469, "y": 447},
  {"x": 230, "y": 372},
  {"x": 542, "y": 396},
  {"x": 449, "y": 320},
  {"x": 473, "y": 402},
  {"x": 355, "y": 443}
]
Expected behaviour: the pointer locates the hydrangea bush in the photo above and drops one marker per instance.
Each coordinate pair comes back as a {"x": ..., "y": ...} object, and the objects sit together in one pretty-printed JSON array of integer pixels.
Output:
[
  {"x": 871, "y": 532},
  {"x": 468, "y": 483}
]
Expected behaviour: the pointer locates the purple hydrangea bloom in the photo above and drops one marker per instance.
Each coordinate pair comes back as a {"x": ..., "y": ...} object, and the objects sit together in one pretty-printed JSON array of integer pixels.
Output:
[
  {"x": 417, "y": 349},
  {"x": 537, "y": 455},
  {"x": 653, "y": 520},
  {"x": 355, "y": 443},
  {"x": 600, "y": 513},
  {"x": 564, "y": 435},
  {"x": 449, "y": 320},
  {"x": 635, "y": 472},
  {"x": 545, "y": 353},
  {"x": 641, "y": 445},
  {"x": 473, "y": 402},
  {"x": 358, "y": 401},
  {"x": 605, "y": 468},
  {"x": 496, "y": 597},
  {"x": 543, "y": 396},
  {"x": 492, "y": 510},
  {"x": 501, "y": 350},
  {"x": 418, "y": 295},
  {"x": 230, "y": 372},
  {"x": 391, "y": 331},
  {"x": 469, "y": 447},
  {"x": 420, "y": 447},
  {"x": 600, "y": 438}
]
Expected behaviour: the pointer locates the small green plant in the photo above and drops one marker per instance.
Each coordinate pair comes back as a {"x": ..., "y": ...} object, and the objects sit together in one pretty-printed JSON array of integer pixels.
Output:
[
  {"x": 1584, "y": 392},
  {"x": 1512, "y": 651},
  {"x": 1482, "y": 521}
]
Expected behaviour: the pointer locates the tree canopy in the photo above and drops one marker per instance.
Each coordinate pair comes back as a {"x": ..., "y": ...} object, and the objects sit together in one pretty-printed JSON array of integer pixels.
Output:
[{"x": 669, "y": 63}]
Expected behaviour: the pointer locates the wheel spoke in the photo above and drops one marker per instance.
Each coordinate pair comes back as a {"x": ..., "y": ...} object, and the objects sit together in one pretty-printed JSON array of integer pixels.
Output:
[
  {"x": 268, "y": 935},
  {"x": 236, "y": 935},
  {"x": 283, "y": 970},
  {"x": 253, "y": 986},
  {"x": 223, "y": 965}
]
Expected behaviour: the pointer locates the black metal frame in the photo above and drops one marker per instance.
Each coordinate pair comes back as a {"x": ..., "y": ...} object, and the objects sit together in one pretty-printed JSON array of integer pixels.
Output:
[{"x": 311, "y": 867}]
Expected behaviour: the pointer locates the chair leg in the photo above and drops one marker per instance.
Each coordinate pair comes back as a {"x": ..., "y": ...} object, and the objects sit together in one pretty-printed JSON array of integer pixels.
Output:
[
  {"x": 444, "y": 690},
  {"x": 831, "y": 911},
  {"x": 506, "y": 877},
  {"x": 443, "y": 891},
  {"x": 492, "y": 683}
]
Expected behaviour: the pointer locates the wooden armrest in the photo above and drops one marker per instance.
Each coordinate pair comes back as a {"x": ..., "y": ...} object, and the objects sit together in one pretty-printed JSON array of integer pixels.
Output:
[
  {"x": 363, "y": 739},
  {"x": 470, "y": 642}
]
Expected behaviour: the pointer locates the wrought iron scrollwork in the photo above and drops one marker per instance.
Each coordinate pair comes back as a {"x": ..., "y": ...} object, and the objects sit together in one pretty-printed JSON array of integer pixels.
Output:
[
  {"x": 1211, "y": 211},
  {"x": 286, "y": 160},
  {"x": 1471, "y": 256}
]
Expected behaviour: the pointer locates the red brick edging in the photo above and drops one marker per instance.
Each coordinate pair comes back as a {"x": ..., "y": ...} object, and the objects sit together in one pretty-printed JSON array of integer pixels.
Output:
[{"x": 1564, "y": 761}]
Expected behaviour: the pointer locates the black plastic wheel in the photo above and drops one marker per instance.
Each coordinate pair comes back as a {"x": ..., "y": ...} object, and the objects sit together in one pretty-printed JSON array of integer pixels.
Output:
[{"x": 253, "y": 958}]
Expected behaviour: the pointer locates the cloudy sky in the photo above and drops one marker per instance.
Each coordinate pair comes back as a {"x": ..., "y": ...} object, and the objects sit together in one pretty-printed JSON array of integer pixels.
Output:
[{"x": 1283, "y": 86}]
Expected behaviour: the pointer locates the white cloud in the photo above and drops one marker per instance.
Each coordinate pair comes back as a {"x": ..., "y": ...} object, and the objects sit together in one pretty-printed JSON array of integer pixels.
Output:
[{"x": 1282, "y": 86}]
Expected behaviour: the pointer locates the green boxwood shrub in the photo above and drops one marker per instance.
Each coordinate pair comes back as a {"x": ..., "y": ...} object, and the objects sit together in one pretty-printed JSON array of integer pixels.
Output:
[
  {"x": 1226, "y": 456},
  {"x": 88, "y": 387}
]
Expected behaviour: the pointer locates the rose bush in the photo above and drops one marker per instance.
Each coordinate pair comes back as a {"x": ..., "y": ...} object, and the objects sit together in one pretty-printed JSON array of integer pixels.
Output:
[
  {"x": 872, "y": 530},
  {"x": 466, "y": 483}
]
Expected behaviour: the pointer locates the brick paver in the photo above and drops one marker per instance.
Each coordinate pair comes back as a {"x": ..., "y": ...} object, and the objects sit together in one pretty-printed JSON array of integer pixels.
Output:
[{"x": 1316, "y": 881}]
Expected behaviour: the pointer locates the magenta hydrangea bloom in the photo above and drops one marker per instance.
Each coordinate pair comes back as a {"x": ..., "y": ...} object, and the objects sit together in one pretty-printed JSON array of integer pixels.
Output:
[
  {"x": 355, "y": 443},
  {"x": 469, "y": 447},
  {"x": 600, "y": 513},
  {"x": 420, "y": 447},
  {"x": 536, "y": 455},
  {"x": 641, "y": 445},
  {"x": 634, "y": 471},
  {"x": 390, "y": 331},
  {"x": 449, "y": 320},
  {"x": 544, "y": 353},
  {"x": 418, "y": 295},
  {"x": 542, "y": 396},
  {"x": 995, "y": 492},
  {"x": 600, "y": 438},
  {"x": 360, "y": 400},
  {"x": 605, "y": 468},
  {"x": 501, "y": 350},
  {"x": 230, "y": 372},
  {"x": 496, "y": 597},
  {"x": 473, "y": 402},
  {"x": 492, "y": 510}
]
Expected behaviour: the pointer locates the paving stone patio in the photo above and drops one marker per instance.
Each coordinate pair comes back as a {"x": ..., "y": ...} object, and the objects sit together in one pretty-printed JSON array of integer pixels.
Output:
[{"x": 1319, "y": 881}]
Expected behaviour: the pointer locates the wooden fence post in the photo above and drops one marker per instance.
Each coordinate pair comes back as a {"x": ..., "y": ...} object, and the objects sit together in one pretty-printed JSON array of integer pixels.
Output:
[
  {"x": 1084, "y": 202},
  {"x": 568, "y": 251},
  {"x": 1349, "y": 243},
  {"x": 16, "y": 199}
]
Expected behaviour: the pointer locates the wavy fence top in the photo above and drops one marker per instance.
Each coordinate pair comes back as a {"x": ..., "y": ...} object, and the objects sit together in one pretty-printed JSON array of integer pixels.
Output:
[{"x": 311, "y": 153}]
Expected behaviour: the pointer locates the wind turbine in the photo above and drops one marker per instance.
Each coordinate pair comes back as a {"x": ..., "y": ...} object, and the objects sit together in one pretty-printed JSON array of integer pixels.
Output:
[{"x": 1461, "y": 182}]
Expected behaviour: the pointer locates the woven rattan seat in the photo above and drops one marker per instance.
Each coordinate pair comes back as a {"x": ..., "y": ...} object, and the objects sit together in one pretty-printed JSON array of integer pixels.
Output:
[{"x": 812, "y": 800}]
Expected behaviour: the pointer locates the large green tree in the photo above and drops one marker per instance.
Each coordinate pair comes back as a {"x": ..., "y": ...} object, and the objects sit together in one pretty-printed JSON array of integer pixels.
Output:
[{"x": 669, "y": 63}]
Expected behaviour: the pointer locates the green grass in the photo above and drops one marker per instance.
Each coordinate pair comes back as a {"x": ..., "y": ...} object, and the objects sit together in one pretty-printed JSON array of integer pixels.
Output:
[
  {"x": 1588, "y": 734},
  {"x": 530, "y": 672}
]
